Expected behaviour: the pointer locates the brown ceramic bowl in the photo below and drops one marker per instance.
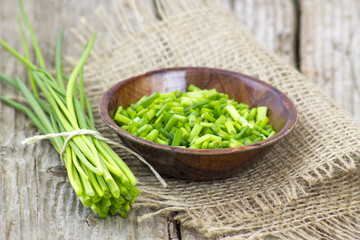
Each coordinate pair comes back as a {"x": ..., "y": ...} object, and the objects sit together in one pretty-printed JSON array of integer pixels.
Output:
[{"x": 200, "y": 164}]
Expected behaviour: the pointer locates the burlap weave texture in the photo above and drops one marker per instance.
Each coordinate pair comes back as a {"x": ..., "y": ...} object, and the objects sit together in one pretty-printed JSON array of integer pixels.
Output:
[{"x": 306, "y": 187}]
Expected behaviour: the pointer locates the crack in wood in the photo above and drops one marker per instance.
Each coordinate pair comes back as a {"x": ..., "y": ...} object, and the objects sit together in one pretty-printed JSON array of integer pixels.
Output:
[
  {"x": 297, "y": 33},
  {"x": 173, "y": 229},
  {"x": 58, "y": 171}
]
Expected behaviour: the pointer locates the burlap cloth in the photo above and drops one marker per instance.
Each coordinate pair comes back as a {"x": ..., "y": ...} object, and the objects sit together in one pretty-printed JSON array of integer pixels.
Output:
[{"x": 307, "y": 187}]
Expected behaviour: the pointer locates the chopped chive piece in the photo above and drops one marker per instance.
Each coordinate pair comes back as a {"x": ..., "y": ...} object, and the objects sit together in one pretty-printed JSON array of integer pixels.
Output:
[
  {"x": 193, "y": 88},
  {"x": 198, "y": 104},
  {"x": 216, "y": 127},
  {"x": 178, "y": 109},
  {"x": 207, "y": 124},
  {"x": 195, "y": 146},
  {"x": 173, "y": 129},
  {"x": 142, "y": 122},
  {"x": 192, "y": 119},
  {"x": 263, "y": 122},
  {"x": 202, "y": 139},
  {"x": 233, "y": 143},
  {"x": 237, "y": 126},
  {"x": 177, "y": 138},
  {"x": 208, "y": 117},
  {"x": 186, "y": 102},
  {"x": 214, "y": 144},
  {"x": 215, "y": 138},
  {"x": 152, "y": 135},
  {"x": 167, "y": 95},
  {"x": 162, "y": 109},
  {"x": 166, "y": 134},
  {"x": 160, "y": 141},
  {"x": 225, "y": 144},
  {"x": 266, "y": 133},
  {"x": 142, "y": 112},
  {"x": 224, "y": 134},
  {"x": 242, "y": 132},
  {"x": 205, "y": 144},
  {"x": 179, "y": 124},
  {"x": 261, "y": 113},
  {"x": 272, "y": 134},
  {"x": 221, "y": 120},
  {"x": 195, "y": 131},
  {"x": 230, "y": 127},
  {"x": 122, "y": 119},
  {"x": 180, "y": 118},
  {"x": 125, "y": 113},
  {"x": 170, "y": 123},
  {"x": 158, "y": 121},
  {"x": 131, "y": 112},
  {"x": 185, "y": 133},
  {"x": 252, "y": 114},
  {"x": 233, "y": 113},
  {"x": 146, "y": 101}
]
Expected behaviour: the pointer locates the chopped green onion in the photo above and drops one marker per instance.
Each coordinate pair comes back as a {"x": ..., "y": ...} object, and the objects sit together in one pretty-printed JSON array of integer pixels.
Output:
[
  {"x": 198, "y": 119},
  {"x": 177, "y": 138},
  {"x": 146, "y": 102}
]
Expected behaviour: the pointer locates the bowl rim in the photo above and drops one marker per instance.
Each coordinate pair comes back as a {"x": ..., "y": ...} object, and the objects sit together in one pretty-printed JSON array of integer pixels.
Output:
[{"x": 106, "y": 97}]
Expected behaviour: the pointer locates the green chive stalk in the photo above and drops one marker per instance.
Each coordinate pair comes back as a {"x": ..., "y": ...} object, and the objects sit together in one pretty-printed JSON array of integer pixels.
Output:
[{"x": 99, "y": 177}]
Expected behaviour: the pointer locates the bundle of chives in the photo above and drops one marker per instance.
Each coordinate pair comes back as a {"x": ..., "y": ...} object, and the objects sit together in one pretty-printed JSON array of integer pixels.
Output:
[{"x": 99, "y": 177}]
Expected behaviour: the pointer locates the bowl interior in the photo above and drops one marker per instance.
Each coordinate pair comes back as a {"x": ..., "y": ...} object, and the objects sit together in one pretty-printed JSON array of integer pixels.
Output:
[{"x": 242, "y": 88}]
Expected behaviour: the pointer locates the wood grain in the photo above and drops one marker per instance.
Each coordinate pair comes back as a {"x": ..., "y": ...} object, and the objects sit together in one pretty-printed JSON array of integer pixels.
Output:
[
  {"x": 329, "y": 49},
  {"x": 273, "y": 23}
]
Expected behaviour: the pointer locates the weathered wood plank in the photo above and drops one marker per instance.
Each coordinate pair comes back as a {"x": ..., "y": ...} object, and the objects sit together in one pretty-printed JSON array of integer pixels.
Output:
[
  {"x": 272, "y": 22},
  {"x": 329, "y": 49}
]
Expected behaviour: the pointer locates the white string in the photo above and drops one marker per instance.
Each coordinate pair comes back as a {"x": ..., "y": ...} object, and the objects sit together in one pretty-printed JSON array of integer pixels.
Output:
[{"x": 95, "y": 134}]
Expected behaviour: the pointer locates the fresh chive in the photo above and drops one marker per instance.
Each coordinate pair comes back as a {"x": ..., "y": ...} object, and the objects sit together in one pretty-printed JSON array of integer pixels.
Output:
[
  {"x": 33, "y": 37},
  {"x": 230, "y": 127},
  {"x": 177, "y": 138},
  {"x": 146, "y": 101},
  {"x": 261, "y": 113},
  {"x": 27, "y": 56},
  {"x": 242, "y": 132},
  {"x": 96, "y": 173}
]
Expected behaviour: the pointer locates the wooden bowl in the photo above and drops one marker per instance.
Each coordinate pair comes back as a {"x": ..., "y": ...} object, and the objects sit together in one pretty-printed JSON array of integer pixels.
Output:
[{"x": 200, "y": 164}]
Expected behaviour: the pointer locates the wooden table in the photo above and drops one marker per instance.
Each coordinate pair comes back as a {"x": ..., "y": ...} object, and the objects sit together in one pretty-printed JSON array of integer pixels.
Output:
[{"x": 321, "y": 38}]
